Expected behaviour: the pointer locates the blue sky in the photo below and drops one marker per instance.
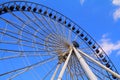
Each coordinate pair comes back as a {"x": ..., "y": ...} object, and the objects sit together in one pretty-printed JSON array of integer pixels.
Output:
[{"x": 100, "y": 18}]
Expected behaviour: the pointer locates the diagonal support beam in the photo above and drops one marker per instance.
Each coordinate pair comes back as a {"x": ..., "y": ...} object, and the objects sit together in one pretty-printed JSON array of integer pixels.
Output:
[
  {"x": 64, "y": 66},
  {"x": 101, "y": 65},
  {"x": 55, "y": 72},
  {"x": 85, "y": 66}
]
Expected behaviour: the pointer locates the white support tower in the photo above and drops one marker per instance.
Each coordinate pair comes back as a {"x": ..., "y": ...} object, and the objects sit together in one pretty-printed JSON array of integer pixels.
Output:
[
  {"x": 56, "y": 70},
  {"x": 64, "y": 66},
  {"x": 85, "y": 66}
]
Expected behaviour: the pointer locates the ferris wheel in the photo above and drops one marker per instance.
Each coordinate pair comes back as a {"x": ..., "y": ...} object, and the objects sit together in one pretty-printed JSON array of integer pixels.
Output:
[{"x": 39, "y": 43}]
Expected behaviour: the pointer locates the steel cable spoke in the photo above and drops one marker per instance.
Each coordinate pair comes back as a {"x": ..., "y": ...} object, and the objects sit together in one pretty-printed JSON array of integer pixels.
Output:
[
  {"x": 92, "y": 65},
  {"x": 30, "y": 66},
  {"x": 35, "y": 23},
  {"x": 29, "y": 38},
  {"x": 15, "y": 25},
  {"x": 38, "y": 43},
  {"x": 28, "y": 55},
  {"x": 54, "y": 32},
  {"x": 48, "y": 73}
]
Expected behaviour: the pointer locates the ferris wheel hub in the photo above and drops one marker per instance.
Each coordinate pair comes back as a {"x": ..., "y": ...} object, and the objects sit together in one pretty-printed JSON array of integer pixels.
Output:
[
  {"x": 75, "y": 44},
  {"x": 63, "y": 57}
]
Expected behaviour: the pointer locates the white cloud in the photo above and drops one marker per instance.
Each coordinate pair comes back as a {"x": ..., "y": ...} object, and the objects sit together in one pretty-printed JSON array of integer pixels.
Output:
[
  {"x": 116, "y": 2},
  {"x": 109, "y": 46},
  {"x": 116, "y": 13},
  {"x": 82, "y": 1}
]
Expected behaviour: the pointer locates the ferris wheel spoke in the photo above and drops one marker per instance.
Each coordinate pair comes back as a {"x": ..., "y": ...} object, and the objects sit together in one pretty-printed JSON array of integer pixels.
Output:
[
  {"x": 14, "y": 37},
  {"x": 16, "y": 43},
  {"x": 15, "y": 33},
  {"x": 41, "y": 21},
  {"x": 64, "y": 36},
  {"x": 17, "y": 74},
  {"x": 88, "y": 51},
  {"x": 84, "y": 74},
  {"x": 22, "y": 51},
  {"x": 4, "y": 31},
  {"x": 50, "y": 71},
  {"x": 26, "y": 55},
  {"x": 61, "y": 39},
  {"x": 15, "y": 25},
  {"x": 70, "y": 73},
  {"x": 48, "y": 22},
  {"x": 36, "y": 23},
  {"x": 95, "y": 67},
  {"x": 27, "y": 37},
  {"x": 30, "y": 26},
  {"x": 30, "y": 66},
  {"x": 50, "y": 43},
  {"x": 56, "y": 27},
  {"x": 53, "y": 37},
  {"x": 56, "y": 43},
  {"x": 38, "y": 43},
  {"x": 81, "y": 75},
  {"x": 69, "y": 35},
  {"x": 85, "y": 48},
  {"x": 98, "y": 76},
  {"x": 63, "y": 30},
  {"x": 81, "y": 43},
  {"x": 78, "y": 69},
  {"x": 59, "y": 49},
  {"x": 75, "y": 38},
  {"x": 56, "y": 47},
  {"x": 53, "y": 41}
]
